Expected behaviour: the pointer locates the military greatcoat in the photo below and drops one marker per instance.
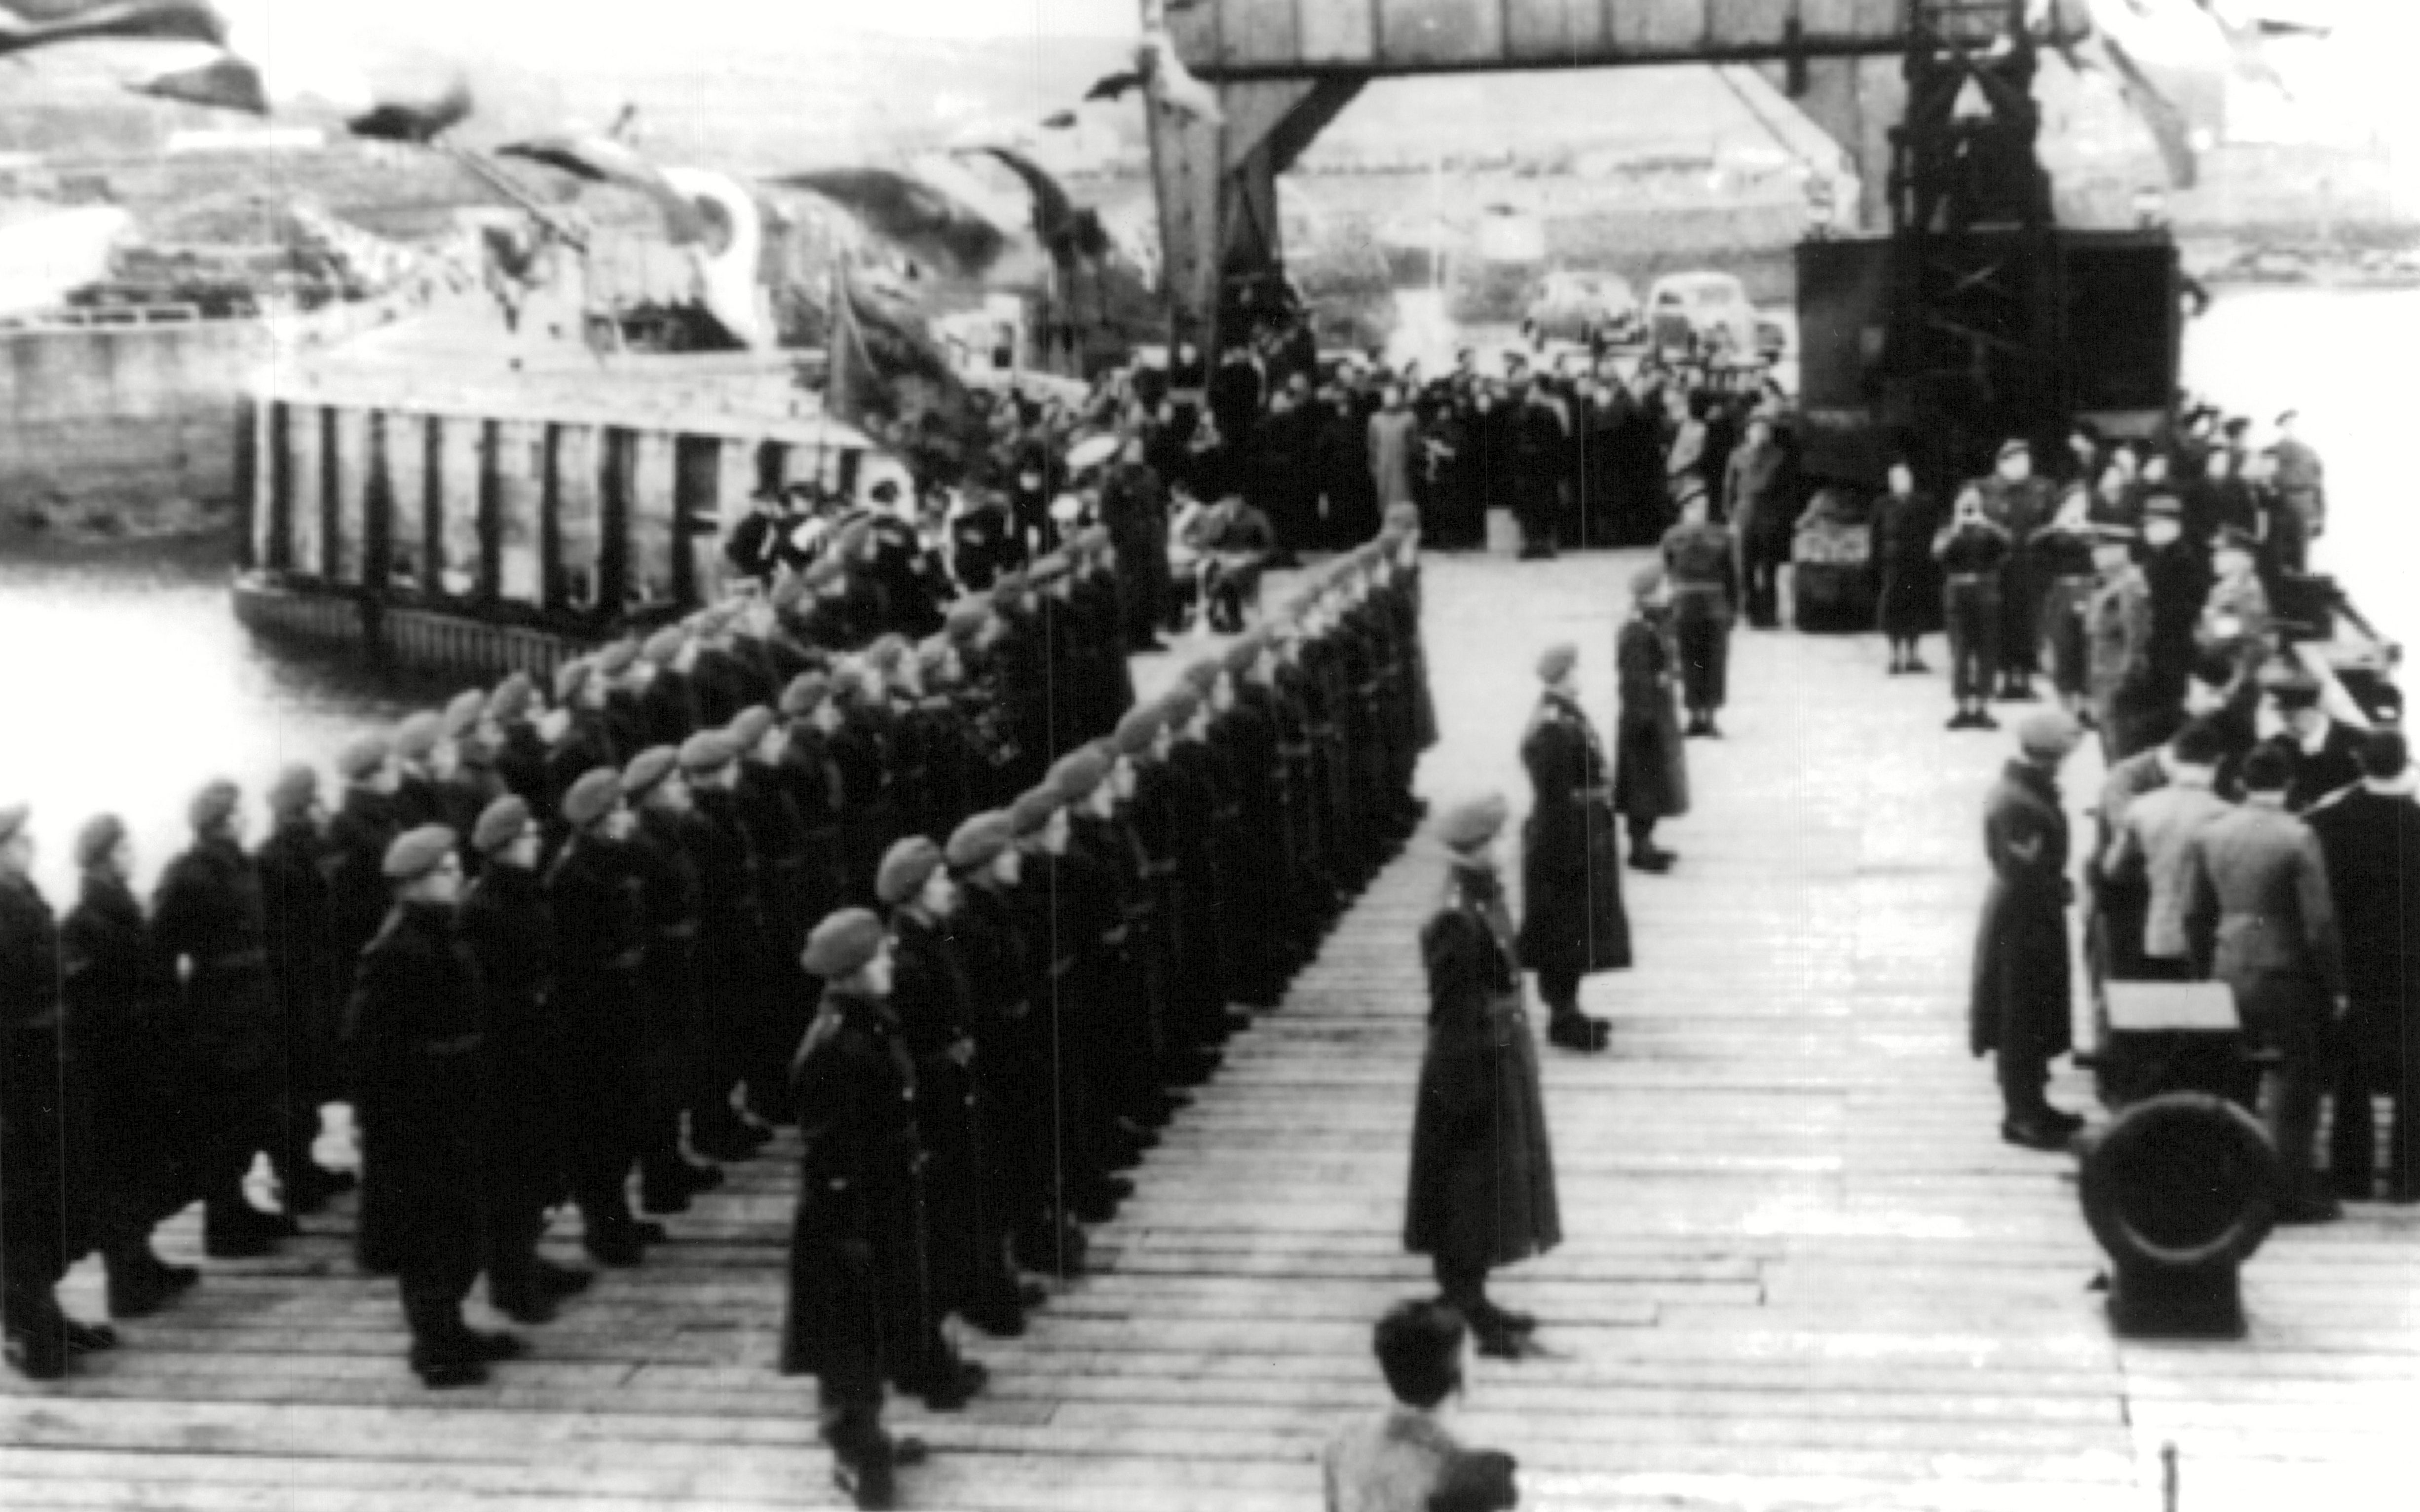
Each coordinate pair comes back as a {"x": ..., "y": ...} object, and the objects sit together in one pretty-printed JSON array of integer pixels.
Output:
[
  {"x": 2022, "y": 990},
  {"x": 1482, "y": 1177},
  {"x": 1572, "y": 916},
  {"x": 1651, "y": 768}
]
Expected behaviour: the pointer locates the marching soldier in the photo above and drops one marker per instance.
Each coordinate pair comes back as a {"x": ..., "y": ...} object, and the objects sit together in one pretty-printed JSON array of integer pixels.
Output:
[
  {"x": 422, "y": 1099},
  {"x": 1483, "y": 1175},
  {"x": 509, "y": 926},
  {"x": 1704, "y": 575},
  {"x": 118, "y": 995},
  {"x": 1573, "y": 923},
  {"x": 208, "y": 918},
  {"x": 601, "y": 938}
]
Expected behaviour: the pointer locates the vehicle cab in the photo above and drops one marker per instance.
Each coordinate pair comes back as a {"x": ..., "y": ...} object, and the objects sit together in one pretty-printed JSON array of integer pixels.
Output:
[{"x": 1696, "y": 312}]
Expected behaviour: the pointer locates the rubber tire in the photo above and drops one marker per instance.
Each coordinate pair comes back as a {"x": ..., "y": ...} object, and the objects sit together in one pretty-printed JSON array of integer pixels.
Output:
[{"x": 2165, "y": 1117}]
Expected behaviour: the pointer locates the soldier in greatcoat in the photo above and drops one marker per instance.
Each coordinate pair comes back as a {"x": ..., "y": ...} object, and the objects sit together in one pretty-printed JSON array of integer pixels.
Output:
[
  {"x": 118, "y": 1000},
  {"x": 509, "y": 926},
  {"x": 1483, "y": 1173},
  {"x": 2022, "y": 995},
  {"x": 594, "y": 889},
  {"x": 39, "y": 1134},
  {"x": 422, "y": 1098},
  {"x": 670, "y": 895},
  {"x": 777, "y": 840},
  {"x": 365, "y": 824},
  {"x": 1704, "y": 574},
  {"x": 1651, "y": 770},
  {"x": 299, "y": 914},
  {"x": 733, "y": 987},
  {"x": 1010, "y": 1059},
  {"x": 1903, "y": 526},
  {"x": 855, "y": 1314},
  {"x": 208, "y": 918},
  {"x": 1573, "y": 923}
]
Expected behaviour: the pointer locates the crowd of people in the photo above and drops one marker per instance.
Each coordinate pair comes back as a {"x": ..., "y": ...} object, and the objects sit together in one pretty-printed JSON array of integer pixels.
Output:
[
  {"x": 958, "y": 907},
  {"x": 2258, "y": 824}
]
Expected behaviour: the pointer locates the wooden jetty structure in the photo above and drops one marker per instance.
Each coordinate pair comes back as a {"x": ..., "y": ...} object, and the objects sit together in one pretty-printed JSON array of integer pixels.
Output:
[{"x": 1802, "y": 1271}]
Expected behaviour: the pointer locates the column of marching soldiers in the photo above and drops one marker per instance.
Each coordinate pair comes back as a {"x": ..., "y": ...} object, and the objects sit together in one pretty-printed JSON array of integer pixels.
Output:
[{"x": 962, "y": 909}]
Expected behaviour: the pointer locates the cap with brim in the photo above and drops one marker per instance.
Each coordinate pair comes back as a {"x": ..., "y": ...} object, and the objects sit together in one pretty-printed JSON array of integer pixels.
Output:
[
  {"x": 648, "y": 769},
  {"x": 904, "y": 867},
  {"x": 1555, "y": 662},
  {"x": 708, "y": 751},
  {"x": 978, "y": 842},
  {"x": 592, "y": 797},
  {"x": 2113, "y": 535},
  {"x": 1469, "y": 825},
  {"x": 2014, "y": 447},
  {"x": 501, "y": 822},
  {"x": 2163, "y": 506},
  {"x": 416, "y": 853},
  {"x": 748, "y": 726},
  {"x": 2232, "y": 538},
  {"x": 2048, "y": 732},
  {"x": 842, "y": 944},
  {"x": 1032, "y": 810},
  {"x": 213, "y": 806},
  {"x": 417, "y": 735},
  {"x": 1090, "y": 453},
  {"x": 2291, "y": 687},
  {"x": 97, "y": 839}
]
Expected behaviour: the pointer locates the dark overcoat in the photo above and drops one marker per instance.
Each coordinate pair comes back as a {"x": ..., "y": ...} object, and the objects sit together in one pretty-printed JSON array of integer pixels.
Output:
[
  {"x": 420, "y": 1096},
  {"x": 2022, "y": 993},
  {"x": 298, "y": 911},
  {"x": 1650, "y": 769},
  {"x": 509, "y": 926},
  {"x": 41, "y": 1230},
  {"x": 2371, "y": 842},
  {"x": 208, "y": 908},
  {"x": 1482, "y": 1177},
  {"x": 855, "y": 1258},
  {"x": 1572, "y": 916},
  {"x": 119, "y": 997}
]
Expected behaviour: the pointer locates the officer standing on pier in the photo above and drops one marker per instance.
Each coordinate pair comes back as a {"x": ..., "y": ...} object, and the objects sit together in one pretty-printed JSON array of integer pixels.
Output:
[
  {"x": 1972, "y": 551},
  {"x": 1704, "y": 572},
  {"x": 1572, "y": 924},
  {"x": 2020, "y": 1004}
]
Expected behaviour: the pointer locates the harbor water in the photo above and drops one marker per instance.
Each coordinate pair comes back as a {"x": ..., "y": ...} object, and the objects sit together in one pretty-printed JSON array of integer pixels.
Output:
[{"x": 126, "y": 682}]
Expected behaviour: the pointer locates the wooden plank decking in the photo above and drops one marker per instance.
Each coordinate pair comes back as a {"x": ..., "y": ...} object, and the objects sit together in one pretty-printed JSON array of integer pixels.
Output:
[{"x": 1802, "y": 1270}]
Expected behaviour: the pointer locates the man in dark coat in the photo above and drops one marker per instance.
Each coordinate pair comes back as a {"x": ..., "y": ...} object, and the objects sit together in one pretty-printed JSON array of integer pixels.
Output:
[
  {"x": 669, "y": 893},
  {"x": 856, "y": 1296},
  {"x": 1537, "y": 438},
  {"x": 1572, "y": 924},
  {"x": 1134, "y": 507},
  {"x": 1759, "y": 505},
  {"x": 1651, "y": 766},
  {"x": 2020, "y": 1001},
  {"x": 1703, "y": 571},
  {"x": 208, "y": 918},
  {"x": 38, "y": 1137},
  {"x": 421, "y": 1099},
  {"x": 2261, "y": 916},
  {"x": 735, "y": 985},
  {"x": 2177, "y": 570},
  {"x": 2021, "y": 504},
  {"x": 1012, "y": 1057},
  {"x": 362, "y": 827},
  {"x": 1973, "y": 552},
  {"x": 2369, "y": 835},
  {"x": 299, "y": 917},
  {"x": 118, "y": 995},
  {"x": 1904, "y": 522},
  {"x": 509, "y": 926},
  {"x": 2324, "y": 754},
  {"x": 1482, "y": 1175},
  {"x": 601, "y": 924}
]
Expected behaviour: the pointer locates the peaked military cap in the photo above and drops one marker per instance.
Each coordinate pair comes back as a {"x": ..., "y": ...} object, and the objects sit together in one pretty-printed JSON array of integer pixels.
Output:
[
  {"x": 904, "y": 866},
  {"x": 1468, "y": 826},
  {"x": 501, "y": 822},
  {"x": 648, "y": 769},
  {"x": 592, "y": 796},
  {"x": 978, "y": 842},
  {"x": 363, "y": 755},
  {"x": 708, "y": 751},
  {"x": 415, "y": 853},
  {"x": 417, "y": 735},
  {"x": 842, "y": 944},
  {"x": 2015, "y": 446}
]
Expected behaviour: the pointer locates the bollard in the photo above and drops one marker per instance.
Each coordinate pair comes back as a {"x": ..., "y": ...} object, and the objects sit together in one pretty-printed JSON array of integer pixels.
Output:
[{"x": 2179, "y": 1190}]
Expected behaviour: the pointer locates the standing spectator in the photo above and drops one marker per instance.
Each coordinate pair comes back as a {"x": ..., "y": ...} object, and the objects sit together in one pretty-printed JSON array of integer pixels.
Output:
[
  {"x": 2126, "y": 702},
  {"x": 1538, "y": 437},
  {"x": 2301, "y": 478},
  {"x": 2061, "y": 554},
  {"x": 1972, "y": 550},
  {"x": 118, "y": 995},
  {"x": 2369, "y": 836},
  {"x": 1396, "y": 1461},
  {"x": 1903, "y": 526},
  {"x": 1393, "y": 433},
  {"x": 2177, "y": 571},
  {"x": 2146, "y": 848},
  {"x": 2260, "y": 918},
  {"x": 1760, "y": 507},
  {"x": 1684, "y": 454},
  {"x": 1704, "y": 573},
  {"x": 2020, "y": 504},
  {"x": 1650, "y": 780},
  {"x": 1347, "y": 480},
  {"x": 1483, "y": 1175},
  {"x": 1134, "y": 505},
  {"x": 2324, "y": 756},
  {"x": 1572, "y": 924},
  {"x": 2019, "y": 1007}
]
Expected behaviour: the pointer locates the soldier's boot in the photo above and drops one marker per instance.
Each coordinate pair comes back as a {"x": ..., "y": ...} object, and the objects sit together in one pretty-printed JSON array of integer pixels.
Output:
[
  {"x": 865, "y": 1459},
  {"x": 234, "y": 1229},
  {"x": 139, "y": 1282},
  {"x": 667, "y": 1181},
  {"x": 1571, "y": 1029},
  {"x": 717, "y": 1132},
  {"x": 442, "y": 1354},
  {"x": 37, "y": 1334}
]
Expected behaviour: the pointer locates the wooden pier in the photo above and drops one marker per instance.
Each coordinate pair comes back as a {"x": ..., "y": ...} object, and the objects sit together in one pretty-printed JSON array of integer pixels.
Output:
[{"x": 1802, "y": 1272}]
